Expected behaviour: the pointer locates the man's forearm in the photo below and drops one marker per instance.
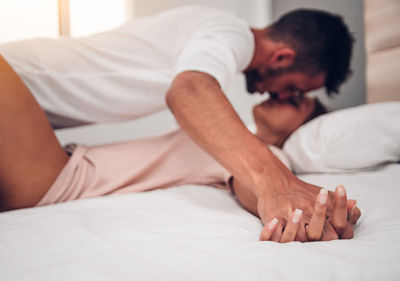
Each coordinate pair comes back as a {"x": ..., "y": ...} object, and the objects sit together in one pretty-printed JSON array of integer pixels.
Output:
[
  {"x": 245, "y": 197},
  {"x": 206, "y": 115}
]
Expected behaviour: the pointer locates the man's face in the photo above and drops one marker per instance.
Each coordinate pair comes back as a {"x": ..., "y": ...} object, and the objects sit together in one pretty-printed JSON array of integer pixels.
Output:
[{"x": 282, "y": 84}]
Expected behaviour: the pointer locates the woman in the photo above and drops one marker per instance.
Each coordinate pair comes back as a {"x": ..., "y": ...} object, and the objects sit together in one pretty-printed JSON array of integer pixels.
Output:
[{"x": 35, "y": 170}]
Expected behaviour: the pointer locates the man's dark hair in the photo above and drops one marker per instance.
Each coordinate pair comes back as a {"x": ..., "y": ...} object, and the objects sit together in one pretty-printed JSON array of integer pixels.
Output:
[{"x": 322, "y": 42}]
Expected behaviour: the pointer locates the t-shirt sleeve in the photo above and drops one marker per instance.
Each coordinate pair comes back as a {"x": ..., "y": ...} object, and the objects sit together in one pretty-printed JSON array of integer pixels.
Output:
[{"x": 222, "y": 48}]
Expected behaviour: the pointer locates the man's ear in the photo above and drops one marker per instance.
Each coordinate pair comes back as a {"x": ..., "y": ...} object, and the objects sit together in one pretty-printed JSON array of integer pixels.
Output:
[{"x": 282, "y": 57}]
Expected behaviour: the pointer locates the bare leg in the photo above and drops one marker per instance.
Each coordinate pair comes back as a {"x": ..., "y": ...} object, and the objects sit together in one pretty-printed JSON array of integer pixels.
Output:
[{"x": 30, "y": 155}]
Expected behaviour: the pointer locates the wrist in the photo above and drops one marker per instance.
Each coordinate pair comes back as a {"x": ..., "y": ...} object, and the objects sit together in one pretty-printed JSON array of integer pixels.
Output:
[{"x": 270, "y": 174}]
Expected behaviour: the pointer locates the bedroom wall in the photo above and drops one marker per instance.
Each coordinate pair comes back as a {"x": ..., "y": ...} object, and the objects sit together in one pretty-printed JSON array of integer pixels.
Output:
[
  {"x": 382, "y": 21},
  {"x": 354, "y": 91},
  {"x": 256, "y": 12},
  {"x": 19, "y": 20}
]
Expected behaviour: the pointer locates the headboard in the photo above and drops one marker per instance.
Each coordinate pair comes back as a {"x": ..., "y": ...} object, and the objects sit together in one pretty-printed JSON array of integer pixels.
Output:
[{"x": 382, "y": 34}]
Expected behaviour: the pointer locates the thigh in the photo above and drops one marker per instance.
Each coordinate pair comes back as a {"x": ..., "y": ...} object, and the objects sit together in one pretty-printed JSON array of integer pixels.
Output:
[{"x": 30, "y": 154}]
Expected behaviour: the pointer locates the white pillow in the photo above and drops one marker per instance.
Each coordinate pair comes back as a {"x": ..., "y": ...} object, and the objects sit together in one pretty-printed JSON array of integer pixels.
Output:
[{"x": 352, "y": 139}]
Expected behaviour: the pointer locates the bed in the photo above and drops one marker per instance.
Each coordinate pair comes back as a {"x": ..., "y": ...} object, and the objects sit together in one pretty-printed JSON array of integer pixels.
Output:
[{"x": 198, "y": 233}]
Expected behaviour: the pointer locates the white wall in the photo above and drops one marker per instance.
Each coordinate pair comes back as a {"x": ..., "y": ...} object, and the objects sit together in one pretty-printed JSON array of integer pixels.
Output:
[
  {"x": 257, "y": 13},
  {"x": 21, "y": 19},
  {"x": 92, "y": 16}
]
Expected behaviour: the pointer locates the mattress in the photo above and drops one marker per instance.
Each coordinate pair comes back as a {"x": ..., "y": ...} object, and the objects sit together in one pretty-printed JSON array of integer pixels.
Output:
[{"x": 198, "y": 233}]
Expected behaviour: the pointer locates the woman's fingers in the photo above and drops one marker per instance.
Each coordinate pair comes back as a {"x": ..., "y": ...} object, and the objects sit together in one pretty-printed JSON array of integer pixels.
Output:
[
  {"x": 276, "y": 236},
  {"x": 345, "y": 214},
  {"x": 268, "y": 230},
  {"x": 315, "y": 228},
  {"x": 272, "y": 231},
  {"x": 291, "y": 227},
  {"x": 339, "y": 217}
]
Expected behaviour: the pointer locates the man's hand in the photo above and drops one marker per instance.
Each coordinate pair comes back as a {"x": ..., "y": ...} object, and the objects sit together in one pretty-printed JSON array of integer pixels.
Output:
[
  {"x": 284, "y": 193},
  {"x": 319, "y": 227},
  {"x": 340, "y": 225}
]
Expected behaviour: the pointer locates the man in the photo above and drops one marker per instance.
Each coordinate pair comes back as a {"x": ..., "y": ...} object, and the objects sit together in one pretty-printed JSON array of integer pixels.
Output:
[
  {"x": 303, "y": 51},
  {"x": 186, "y": 56}
]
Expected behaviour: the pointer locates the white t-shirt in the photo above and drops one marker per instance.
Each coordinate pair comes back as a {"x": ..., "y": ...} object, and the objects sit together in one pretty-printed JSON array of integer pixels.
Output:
[{"x": 125, "y": 73}]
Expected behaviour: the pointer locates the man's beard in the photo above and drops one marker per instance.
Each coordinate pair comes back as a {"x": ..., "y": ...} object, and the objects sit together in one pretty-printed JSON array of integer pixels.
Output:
[{"x": 253, "y": 77}]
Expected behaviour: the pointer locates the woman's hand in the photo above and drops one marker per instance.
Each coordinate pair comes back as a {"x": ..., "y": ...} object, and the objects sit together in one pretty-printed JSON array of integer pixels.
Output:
[{"x": 339, "y": 225}]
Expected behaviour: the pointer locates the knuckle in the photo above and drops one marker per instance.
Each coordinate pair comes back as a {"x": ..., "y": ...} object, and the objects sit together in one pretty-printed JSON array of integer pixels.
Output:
[
  {"x": 308, "y": 211},
  {"x": 349, "y": 235},
  {"x": 339, "y": 228},
  {"x": 290, "y": 233},
  {"x": 357, "y": 214},
  {"x": 339, "y": 222},
  {"x": 329, "y": 233},
  {"x": 263, "y": 236},
  {"x": 313, "y": 236},
  {"x": 303, "y": 239},
  {"x": 331, "y": 236}
]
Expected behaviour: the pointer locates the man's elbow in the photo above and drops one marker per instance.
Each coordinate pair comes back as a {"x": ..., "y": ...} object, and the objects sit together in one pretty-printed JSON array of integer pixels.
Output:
[
  {"x": 182, "y": 84},
  {"x": 170, "y": 98},
  {"x": 189, "y": 82}
]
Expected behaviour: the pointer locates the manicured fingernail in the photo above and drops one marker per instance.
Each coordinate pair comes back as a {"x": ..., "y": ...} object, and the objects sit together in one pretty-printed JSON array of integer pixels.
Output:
[
  {"x": 273, "y": 223},
  {"x": 323, "y": 194},
  {"x": 297, "y": 215},
  {"x": 340, "y": 190}
]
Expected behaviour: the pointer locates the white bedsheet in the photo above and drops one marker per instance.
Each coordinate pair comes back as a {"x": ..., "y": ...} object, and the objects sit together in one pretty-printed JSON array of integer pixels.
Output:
[{"x": 197, "y": 233}]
